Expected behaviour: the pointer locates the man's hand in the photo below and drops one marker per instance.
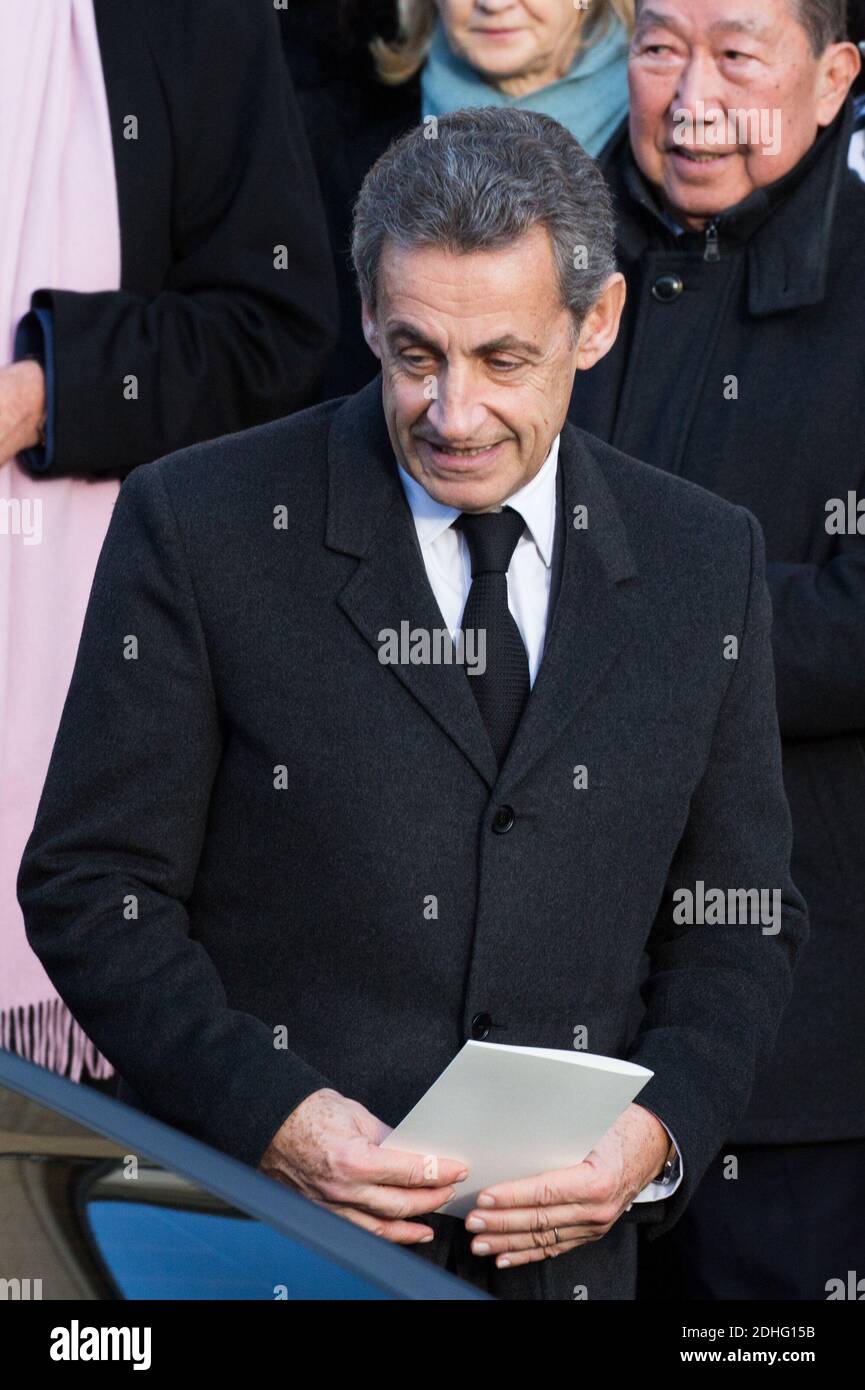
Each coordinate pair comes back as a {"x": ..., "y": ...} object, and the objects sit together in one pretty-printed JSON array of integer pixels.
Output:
[
  {"x": 328, "y": 1149},
  {"x": 583, "y": 1202},
  {"x": 22, "y": 407}
]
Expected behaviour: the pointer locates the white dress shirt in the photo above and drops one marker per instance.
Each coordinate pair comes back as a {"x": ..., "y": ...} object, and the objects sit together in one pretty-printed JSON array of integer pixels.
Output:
[
  {"x": 448, "y": 565},
  {"x": 448, "y": 561}
]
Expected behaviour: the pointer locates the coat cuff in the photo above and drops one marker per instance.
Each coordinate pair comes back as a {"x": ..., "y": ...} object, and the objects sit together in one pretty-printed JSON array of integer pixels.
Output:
[{"x": 34, "y": 337}]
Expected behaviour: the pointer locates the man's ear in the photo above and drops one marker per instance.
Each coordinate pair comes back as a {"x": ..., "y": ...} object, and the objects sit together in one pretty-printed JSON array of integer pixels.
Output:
[
  {"x": 839, "y": 67},
  {"x": 370, "y": 329},
  {"x": 600, "y": 327}
]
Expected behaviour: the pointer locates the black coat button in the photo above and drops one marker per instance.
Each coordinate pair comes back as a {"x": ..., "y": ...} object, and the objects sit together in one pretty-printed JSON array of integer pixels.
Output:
[
  {"x": 503, "y": 820},
  {"x": 667, "y": 288},
  {"x": 481, "y": 1025}
]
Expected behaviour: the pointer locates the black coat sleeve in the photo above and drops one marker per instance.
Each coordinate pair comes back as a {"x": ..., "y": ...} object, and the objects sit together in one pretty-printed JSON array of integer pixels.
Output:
[
  {"x": 231, "y": 339},
  {"x": 819, "y": 638},
  {"x": 715, "y": 994},
  {"x": 112, "y": 858}
]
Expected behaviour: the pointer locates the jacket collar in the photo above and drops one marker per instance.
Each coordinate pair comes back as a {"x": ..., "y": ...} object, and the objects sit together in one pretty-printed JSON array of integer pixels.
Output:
[
  {"x": 368, "y": 517},
  {"x": 786, "y": 226}
]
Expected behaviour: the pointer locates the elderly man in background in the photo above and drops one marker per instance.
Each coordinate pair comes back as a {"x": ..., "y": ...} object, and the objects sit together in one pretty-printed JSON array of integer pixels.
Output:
[{"x": 740, "y": 367}]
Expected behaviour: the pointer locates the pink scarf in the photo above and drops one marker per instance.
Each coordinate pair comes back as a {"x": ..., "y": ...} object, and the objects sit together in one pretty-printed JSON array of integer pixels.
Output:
[{"x": 59, "y": 229}]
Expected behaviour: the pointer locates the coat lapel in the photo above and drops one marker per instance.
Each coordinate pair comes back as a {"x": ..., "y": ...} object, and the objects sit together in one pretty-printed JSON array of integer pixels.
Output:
[
  {"x": 594, "y": 617},
  {"x": 369, "y": 517}
]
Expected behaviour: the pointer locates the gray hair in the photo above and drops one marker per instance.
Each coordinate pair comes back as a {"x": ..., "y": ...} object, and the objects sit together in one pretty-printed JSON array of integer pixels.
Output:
[
  {"x": 487, "y": 176},
  {"x": 824, "y": 21}
]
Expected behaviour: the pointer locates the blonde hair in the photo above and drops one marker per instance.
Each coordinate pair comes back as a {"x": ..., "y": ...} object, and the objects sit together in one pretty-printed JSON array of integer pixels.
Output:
[{"x": 398, "y": 61}]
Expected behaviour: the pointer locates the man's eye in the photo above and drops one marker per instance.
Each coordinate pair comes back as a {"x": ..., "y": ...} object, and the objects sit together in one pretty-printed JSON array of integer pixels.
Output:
[
  {"x": 735, "y": 54},
  {"x": 415, "y": 359},
  {"x": 503, "y": 364},
  {"x": 658, "y": 50}
]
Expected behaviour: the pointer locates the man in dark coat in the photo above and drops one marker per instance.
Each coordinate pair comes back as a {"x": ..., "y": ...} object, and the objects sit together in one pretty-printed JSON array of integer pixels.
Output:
[
  {"x": 249, "y": 812},
  {"x": 740, "y": 366}
]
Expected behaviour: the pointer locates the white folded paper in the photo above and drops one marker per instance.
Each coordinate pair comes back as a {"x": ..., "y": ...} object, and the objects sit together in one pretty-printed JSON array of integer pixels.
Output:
[{"x": 510, "y": 1112}]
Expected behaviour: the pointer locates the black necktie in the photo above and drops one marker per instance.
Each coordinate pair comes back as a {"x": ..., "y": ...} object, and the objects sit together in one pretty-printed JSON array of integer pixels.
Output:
[{"x": 502, "y": 689}]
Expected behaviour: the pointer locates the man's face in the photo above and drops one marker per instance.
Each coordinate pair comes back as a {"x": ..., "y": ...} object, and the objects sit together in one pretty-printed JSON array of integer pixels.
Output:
[
  {"x": 478, "y": 358},
  {"x": 749, "y": 92}
]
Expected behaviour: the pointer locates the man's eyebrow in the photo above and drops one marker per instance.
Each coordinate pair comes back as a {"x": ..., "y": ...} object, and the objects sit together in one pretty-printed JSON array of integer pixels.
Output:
[
  {"x": 414, "y": 335},
  {"x": 508, "y": 342}
]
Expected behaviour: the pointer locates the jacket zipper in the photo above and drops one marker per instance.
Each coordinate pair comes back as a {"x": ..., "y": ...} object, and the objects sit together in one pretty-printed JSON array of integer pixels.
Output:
[{"x": 713, "y": 250}]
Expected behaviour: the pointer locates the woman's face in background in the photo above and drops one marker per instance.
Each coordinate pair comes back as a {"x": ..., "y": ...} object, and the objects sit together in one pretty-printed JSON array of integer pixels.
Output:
[{"x": 519, "y": 45}]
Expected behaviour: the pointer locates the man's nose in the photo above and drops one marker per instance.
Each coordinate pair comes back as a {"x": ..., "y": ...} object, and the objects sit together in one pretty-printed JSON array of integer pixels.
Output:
[
  {"x": 700, "y": 89},
  {"x": 455, "y": 412}
]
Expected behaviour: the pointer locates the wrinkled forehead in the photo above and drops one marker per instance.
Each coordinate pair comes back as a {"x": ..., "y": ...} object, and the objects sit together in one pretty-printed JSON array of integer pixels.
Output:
[
  {"x": 761, "y": 19},
  {"x": 518, "y": 275},
  {"x": 474, "y": 303}
]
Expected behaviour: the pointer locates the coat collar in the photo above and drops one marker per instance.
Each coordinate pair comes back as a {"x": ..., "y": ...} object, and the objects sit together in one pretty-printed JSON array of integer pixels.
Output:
[
  {"x": 786, "y": 226},
  {"x": 369, "y": 518}
]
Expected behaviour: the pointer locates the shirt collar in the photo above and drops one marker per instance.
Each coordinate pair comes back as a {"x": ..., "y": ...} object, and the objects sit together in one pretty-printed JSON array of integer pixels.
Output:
[{"x": 535, "y": 502}]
